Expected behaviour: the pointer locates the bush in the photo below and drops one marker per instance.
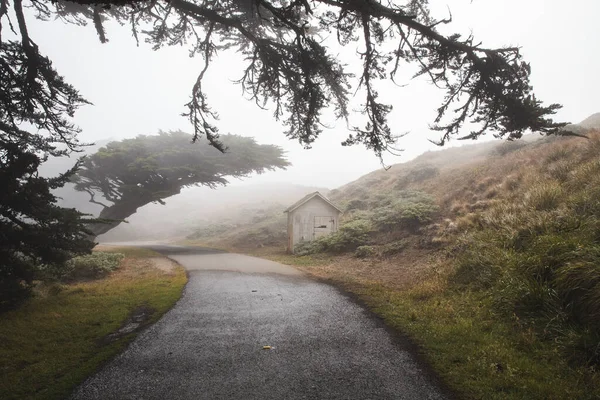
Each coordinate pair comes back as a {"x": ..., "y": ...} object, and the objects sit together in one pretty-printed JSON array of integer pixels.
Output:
[
  {"x": 380, "y": 200},
  {"x": 578, "y": 284},
  {"x": 513, "y": 182},
  {"x": 348, "y": 238},
  {"x": 394, "y": 247},
  {"x": 92, "y": 266},
  {"x": 364, "y": 251},
  {"x": 356, "y": 204},
  {"x": 561, "y": 170},
  {"x": 410, "y": 211}
]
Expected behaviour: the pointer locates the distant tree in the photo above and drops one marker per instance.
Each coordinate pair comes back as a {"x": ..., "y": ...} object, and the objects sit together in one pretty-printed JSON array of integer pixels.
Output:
[
  {"x": 126, "y": 175},
  {"x": 290, "y": 66}
]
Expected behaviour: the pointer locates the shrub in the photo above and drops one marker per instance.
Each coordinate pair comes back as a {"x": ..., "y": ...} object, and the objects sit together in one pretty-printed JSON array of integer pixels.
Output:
[
  {"x": 394, "y": 247},
  {"x": 356, "y": 204},
  {"x": 14, "y": 289},
  {"x": 306, "y": 248},
  {"x": 380, "y": 200},
  {"x": 92, "y": 266},
  {"x": 512, "y": 182},
  {"x": 411, "y": 210},
  {"x": 578, "y": 284},
  {"x": 355, "y": 215},
  {"x": 364, "y": 251},
  {"x": 348, "y": 238}
]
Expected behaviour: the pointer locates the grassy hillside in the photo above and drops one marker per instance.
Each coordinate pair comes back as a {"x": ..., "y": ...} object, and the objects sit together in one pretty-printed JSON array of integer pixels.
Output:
[{"x": 487, "y": 255}]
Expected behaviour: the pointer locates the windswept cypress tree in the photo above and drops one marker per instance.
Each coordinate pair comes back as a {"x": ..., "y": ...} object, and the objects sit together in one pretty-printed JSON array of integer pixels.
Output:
[{"x": 126, "y": 175}]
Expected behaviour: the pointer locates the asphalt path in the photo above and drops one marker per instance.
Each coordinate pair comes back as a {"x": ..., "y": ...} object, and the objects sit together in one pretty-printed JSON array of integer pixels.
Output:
[{"x": 323, "y": 345}]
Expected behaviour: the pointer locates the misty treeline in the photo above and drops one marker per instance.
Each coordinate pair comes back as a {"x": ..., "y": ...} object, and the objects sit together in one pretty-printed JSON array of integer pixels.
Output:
[{"x": 287, "y": 67}]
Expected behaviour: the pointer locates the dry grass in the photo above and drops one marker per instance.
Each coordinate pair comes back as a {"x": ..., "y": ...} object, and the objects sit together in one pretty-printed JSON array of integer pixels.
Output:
[{"x": 399, "y": 272}]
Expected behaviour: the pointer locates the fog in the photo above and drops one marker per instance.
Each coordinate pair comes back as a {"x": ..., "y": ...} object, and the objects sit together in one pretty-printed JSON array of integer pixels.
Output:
[{"x": 135, "y": 90}]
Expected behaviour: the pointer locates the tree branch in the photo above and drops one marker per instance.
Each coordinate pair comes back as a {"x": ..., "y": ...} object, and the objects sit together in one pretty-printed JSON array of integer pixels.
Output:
[{"x": 93, "y": 200}]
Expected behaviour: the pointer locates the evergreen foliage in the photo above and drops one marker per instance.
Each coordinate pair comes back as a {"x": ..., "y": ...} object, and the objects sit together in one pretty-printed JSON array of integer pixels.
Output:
[
  {"x": 36, "y": 108},
  {"x": 36, "y": 236},
  {"x": 289, "y": 64}
]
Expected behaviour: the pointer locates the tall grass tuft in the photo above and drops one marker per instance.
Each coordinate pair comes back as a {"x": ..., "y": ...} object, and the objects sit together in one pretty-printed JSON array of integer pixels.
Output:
[{"x": 544, "y": 196}]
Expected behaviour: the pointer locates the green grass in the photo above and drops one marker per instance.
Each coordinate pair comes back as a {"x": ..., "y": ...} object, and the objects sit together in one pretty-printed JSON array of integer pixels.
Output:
[
  {"x": 52, "y": 343},
  {"x": 476, "y": 352}
]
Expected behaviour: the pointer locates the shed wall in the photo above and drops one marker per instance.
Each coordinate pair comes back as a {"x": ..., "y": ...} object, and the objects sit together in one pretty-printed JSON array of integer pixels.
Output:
[{"x": 301, "y": 220}]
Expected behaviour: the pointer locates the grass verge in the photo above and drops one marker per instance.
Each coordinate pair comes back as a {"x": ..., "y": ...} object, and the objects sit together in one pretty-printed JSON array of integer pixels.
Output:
[
  {"x": 478, "y": 354},
  {"x": 55, "y": 340}
]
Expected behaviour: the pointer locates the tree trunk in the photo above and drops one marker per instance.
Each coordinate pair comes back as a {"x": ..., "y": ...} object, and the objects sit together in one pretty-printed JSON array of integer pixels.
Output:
[{"x": 114, "y": 215}]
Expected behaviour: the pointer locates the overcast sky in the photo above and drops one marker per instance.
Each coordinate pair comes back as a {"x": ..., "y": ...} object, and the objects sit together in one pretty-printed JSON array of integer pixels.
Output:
[{"x": 138, "y": 91}]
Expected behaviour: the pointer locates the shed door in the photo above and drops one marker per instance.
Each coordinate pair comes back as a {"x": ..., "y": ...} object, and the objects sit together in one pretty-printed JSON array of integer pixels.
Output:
[{"x": 323, "y": 226}]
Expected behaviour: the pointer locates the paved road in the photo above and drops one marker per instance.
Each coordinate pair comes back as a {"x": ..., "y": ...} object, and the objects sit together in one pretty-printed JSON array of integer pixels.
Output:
[{"x": 210, "y": 345}]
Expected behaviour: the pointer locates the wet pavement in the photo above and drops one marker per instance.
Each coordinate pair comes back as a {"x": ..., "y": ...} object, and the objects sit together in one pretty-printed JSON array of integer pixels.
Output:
[{"x": 323, "y": 345}]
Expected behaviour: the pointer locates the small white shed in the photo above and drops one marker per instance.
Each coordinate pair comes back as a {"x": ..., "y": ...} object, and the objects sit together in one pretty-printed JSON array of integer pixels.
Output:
[{"x": 309, "y": 218}]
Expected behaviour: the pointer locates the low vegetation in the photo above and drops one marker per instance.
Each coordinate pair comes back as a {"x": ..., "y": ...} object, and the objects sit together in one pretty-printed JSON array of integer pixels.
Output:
[
  {"x": 67, "y": 330},
  {"x": 350, "y": 236},
  {"x": 407, "y": 210},
  {"x": 486, "y": 256},
  {"x": 92, "y": 266}
]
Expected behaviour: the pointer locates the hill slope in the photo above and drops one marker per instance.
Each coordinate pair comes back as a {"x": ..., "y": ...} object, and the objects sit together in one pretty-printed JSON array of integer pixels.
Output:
[{"x": 591, "y": 122}]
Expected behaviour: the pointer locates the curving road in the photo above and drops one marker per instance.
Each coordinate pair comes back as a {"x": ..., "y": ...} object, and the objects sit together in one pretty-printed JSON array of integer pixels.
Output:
[{"x": 210, "y": 345}]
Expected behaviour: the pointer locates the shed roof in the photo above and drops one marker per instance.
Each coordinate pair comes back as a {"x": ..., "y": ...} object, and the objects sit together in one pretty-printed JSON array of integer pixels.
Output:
[{"x": 307, "y": 198}]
